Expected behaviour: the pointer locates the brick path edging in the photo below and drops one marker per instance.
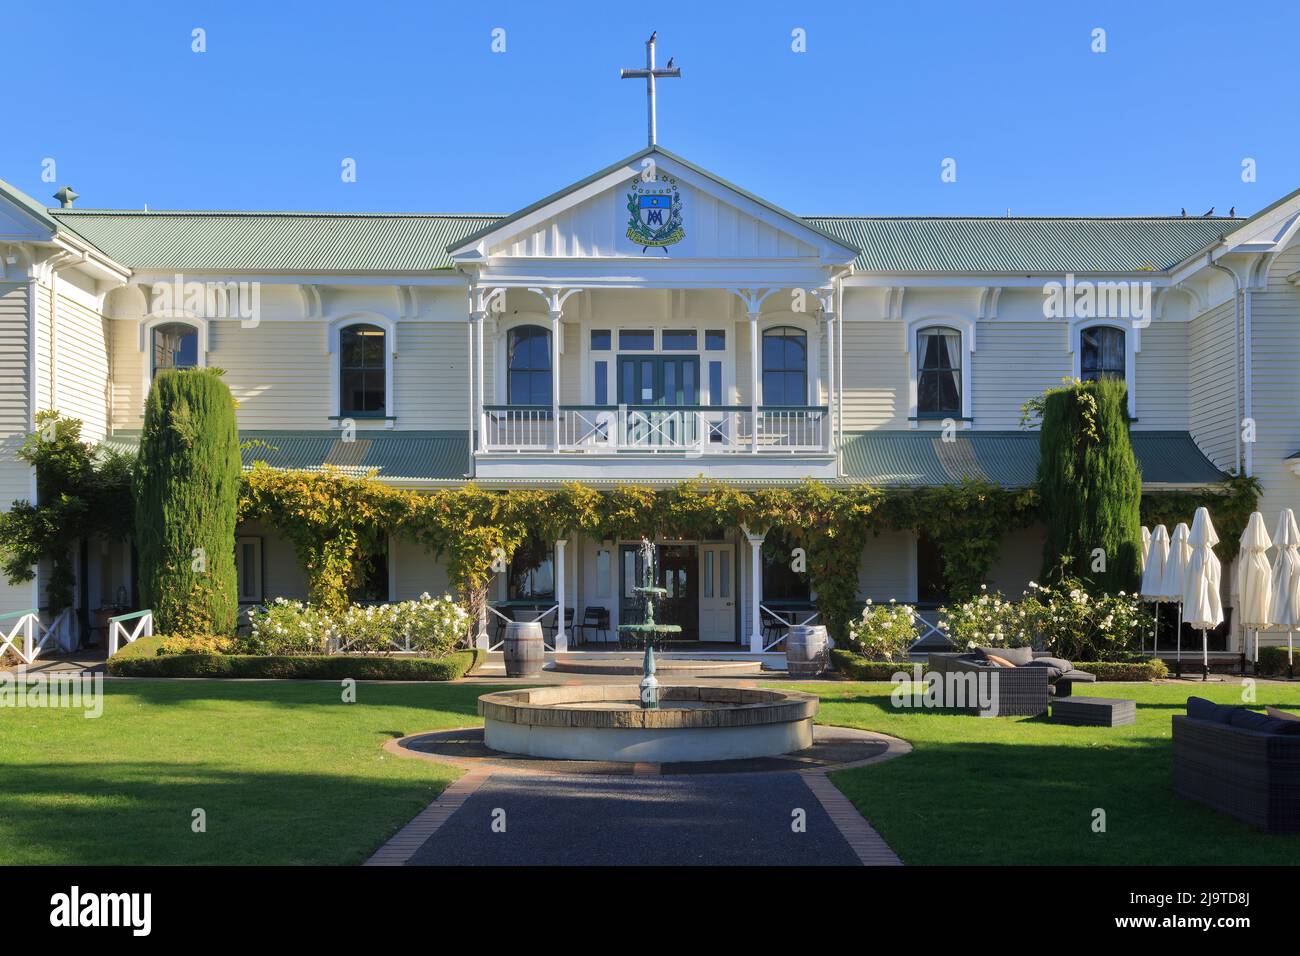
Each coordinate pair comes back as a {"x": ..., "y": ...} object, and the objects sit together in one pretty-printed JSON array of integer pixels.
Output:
[{"x": 868, "y": 845}]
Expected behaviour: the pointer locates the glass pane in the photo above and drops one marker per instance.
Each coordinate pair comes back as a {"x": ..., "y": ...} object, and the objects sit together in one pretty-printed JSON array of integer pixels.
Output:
[
  {"x": 773, "y": 388},
  {"x": 602, "y": 572},
  {"x": 724, "y": 574},
  {"x": 715, "y": 340},
  {"x": 350, "y": 350},
  {"x": 629, "y": 573},
  {"x": 690, "y": 395},
  {"x": 671, "y": 395},
  {"x": 949, "y": 391},
  {"x": 647, "y": 383},
  {"x": 679, "y": 340},
  {"x": 927, "y": 392},
  {"x": 715, "y": 383},
  {"x": 708, "y": 573},
  {"x": 600, "y": 340},
  {"x": 602, "y": 383},
  {"x": 637, "y": 340},
  {"x": 627, "y": 381},
  {"x": 372, "y": 349}
]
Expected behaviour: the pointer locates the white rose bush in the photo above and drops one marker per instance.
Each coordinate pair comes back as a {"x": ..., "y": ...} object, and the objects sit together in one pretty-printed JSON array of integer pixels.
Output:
[
  {"x": 428, "y": 626},
  {"x": 884, "y": 631}
]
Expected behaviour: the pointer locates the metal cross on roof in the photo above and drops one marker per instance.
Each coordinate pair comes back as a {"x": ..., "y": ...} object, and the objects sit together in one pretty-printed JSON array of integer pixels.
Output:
[{"x": 650, "y": 74}]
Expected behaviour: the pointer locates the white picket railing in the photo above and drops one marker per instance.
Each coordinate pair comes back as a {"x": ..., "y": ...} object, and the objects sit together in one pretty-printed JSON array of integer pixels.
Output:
[
  {"x": 510, "y": 620},
  {"x": 35, "y": 635},
  {"x": 118, "y": 633},
  {"x": 654, "y": 429},
  {"x": 783, "y": 622}
]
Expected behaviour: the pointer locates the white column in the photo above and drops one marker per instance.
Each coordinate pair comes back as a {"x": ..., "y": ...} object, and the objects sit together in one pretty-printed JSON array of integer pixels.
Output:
[
  {"x": 480, "y": 416},
  {"x": 475, "y": 444},
  {"x": 828, "y": 425},
  {"x": 556, "y": 332},
  {"x": 561, "y": 638},
  {"x": 753, "y": 378},
  {"x": 755, "y": 591}
]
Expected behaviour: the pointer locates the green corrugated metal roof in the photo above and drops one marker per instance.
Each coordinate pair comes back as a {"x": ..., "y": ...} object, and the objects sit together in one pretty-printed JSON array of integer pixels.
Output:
[
  {"x": 272, "y": 241},
  {"x": 325, "y": 242},
  {"x": 884, "y": 457},
  {"x": 399, "y": 456},
  {"x": 1024, "y": 245},
  {"x": 1007, "y": 458}
]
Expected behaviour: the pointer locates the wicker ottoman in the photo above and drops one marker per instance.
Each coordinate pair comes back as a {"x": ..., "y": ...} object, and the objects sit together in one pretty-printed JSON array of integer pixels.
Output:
[{"x": 1094, "y": 711}]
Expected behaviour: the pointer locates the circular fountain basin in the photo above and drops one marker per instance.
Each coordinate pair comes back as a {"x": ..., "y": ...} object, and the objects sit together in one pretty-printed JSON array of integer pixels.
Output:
[{"x": 606, "y": 722}]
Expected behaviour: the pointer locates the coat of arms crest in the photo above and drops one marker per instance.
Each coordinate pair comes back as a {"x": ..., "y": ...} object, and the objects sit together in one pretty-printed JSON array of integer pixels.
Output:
[{"x": 655, "y": 208}]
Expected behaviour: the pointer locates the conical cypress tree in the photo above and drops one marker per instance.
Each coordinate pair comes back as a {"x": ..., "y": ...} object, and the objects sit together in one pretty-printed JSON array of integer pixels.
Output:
[
  {"x": 1091, "y": 486},
  {"x": 187, "y": 478}
]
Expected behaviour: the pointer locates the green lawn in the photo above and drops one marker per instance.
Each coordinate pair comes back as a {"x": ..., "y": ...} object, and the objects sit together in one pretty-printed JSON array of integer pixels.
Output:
[
  {"x": 288, "y": 774},
  {"x": 1022, "y": 791},
  {"x": 285, "y": 771}
]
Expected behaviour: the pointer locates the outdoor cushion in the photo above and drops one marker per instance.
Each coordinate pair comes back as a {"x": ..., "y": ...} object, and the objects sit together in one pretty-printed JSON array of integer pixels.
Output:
[
  {"x": 1282, "y": 714},
  {"x": 1016, "y": 655},
  {"x": 998, "y": 661},
  {"x": 1056, "y": 666},
  {"x": 1079, "y": 677},
  {"x": 1203, "y": 709},
  {"x": 1254, "y": 720}
]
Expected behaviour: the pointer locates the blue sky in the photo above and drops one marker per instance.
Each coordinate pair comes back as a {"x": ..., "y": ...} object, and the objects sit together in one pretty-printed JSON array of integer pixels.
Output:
[{"x": 857, "y": 125}]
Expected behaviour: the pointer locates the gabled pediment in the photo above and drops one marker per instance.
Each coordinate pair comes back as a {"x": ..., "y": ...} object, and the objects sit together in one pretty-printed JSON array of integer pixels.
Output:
[
  {"x": 22, "y": 219},
  {"x": 653, "y": 205}
]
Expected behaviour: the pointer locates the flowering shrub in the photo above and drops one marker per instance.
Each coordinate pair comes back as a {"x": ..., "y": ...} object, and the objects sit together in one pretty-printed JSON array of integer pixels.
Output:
[
  {"x": 1063, "y": 619},
  {"x": 431, "y": 626},
  {"x": 287, "y": 628},
  {"x": 988, "y": 620},
  {"x": 1080, "y": 626},
  {"x": 884, "y": 631}
]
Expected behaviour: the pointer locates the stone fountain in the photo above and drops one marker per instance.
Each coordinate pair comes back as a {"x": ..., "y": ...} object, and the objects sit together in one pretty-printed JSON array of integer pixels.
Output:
[
  {"x": 649, "y": 722},
  {"x": 649, "y": 630}
]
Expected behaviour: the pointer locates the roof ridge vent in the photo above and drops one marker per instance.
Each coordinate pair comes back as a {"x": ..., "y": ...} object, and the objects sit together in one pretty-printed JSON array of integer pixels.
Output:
[{"x": 67, "y": 196}]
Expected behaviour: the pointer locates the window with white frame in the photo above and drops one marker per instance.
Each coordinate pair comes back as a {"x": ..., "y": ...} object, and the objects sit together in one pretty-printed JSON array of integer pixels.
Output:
[
  {"x": 528, "y": 358},
  {"x": 785, "y": 366},
  {"x": 938, "y": 372},
  {"x": 1102, "y": 353},
  {"x": 173, "y": 345},
  {"x": 363, "y": 371}
]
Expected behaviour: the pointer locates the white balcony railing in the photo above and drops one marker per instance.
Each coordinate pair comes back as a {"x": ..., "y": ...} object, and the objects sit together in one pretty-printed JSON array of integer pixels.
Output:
[{"x": 655, "y": 429}]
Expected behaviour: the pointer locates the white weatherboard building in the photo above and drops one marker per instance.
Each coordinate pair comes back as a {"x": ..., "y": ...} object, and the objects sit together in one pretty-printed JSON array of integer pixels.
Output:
[{"x": 651, "y": 323}]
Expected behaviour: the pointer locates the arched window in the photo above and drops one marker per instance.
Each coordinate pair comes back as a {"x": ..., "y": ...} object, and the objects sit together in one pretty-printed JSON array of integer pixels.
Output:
[
  {"x": 785, "y": 366},
  {"x": 1101, "y": 353},
  {"x": 529, "y": 358},
  {"x": 362, "y": 375},
  {"x": 174, "y": 345},
  {"x": 938, "y": 371}
]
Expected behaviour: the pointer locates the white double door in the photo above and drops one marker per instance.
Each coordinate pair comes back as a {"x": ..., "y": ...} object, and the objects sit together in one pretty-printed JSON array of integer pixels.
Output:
[{"x": 717, "y": 590}]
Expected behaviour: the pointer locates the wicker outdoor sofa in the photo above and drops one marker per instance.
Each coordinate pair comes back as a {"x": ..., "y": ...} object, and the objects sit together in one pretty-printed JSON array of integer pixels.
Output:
[
  {"x": 1020, "y": 691},
  {"x": 1240, "y": 762}
]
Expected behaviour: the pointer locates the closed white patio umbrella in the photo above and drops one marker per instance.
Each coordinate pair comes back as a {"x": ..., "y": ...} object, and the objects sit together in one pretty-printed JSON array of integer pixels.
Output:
[
  {"x": 1285, "y": 609},
  {"x": 1172, "y": 580},
  {"x": 1146, "y": 545},
  {"x": 1153, "y": 571},
  {"x": 1254, "y": 581},
  {"x": 1202, "y": 602}
]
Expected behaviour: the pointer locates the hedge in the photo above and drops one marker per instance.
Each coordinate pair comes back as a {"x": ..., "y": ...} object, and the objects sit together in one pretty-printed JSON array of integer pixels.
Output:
[
  {"x": 1272, "y": 660},
  {"x": 856, "y": 668},
  {"x": 335, "y": 667}
]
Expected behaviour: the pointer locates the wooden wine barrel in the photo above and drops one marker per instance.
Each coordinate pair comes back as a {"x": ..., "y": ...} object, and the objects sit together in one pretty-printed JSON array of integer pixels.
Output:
[
  {"x": 806, "y": 653},
  {"x": 524, "y": 651}
]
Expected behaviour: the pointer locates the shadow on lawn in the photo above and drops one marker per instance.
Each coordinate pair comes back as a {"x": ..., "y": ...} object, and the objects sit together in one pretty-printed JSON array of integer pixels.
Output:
[
  {"x": 143, "y": 814},
  {"x": 452, "y": 698}
]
